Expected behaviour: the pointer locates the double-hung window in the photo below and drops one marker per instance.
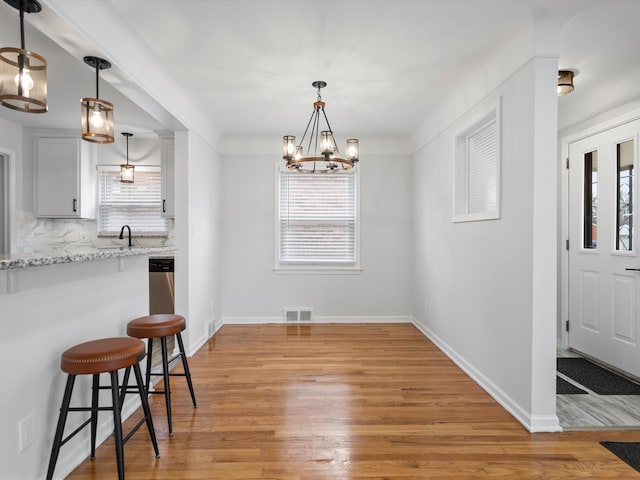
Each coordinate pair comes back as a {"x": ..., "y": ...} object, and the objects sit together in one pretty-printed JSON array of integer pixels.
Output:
[
  {"x": 137, "y": 204},
  {"x": 317, "y": 221},
  {"x": 477, "y": 170}
]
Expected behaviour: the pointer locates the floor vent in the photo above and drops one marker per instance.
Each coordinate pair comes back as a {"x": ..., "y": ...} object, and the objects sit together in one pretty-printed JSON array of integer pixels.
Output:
[{"x": 298, "y": 314}]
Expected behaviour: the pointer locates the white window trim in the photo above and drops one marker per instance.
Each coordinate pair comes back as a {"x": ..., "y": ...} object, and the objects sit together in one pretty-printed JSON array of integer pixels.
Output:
[
  {"x": 460, "y": 169},
  {"x": 308, "y": 268}
]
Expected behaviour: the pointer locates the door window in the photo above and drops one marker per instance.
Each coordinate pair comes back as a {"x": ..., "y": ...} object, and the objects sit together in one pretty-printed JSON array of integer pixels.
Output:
[
  {"x": 624, "y": 217},
  {"x": 590, "y": 224}
]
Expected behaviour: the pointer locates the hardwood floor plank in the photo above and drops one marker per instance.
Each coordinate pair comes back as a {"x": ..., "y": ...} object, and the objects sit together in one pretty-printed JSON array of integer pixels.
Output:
[{"x": 326, "y": 402}]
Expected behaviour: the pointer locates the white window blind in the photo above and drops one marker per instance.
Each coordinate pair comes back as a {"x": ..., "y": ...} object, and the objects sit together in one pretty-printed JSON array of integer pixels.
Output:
[
  {"x": 477, "y": 170},
  {"x": 482, "y": 159},
  {"x": 317, "y": 219},
  {"x": 137, "y": 204}
]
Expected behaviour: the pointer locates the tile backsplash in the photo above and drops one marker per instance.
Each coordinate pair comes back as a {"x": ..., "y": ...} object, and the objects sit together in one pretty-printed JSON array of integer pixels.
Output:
[{"x": 35, "y": 235}]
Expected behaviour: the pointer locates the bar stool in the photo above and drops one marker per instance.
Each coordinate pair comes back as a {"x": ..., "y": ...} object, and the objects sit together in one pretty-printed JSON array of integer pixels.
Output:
[
  {"x": 106, "y": 355},
  {"x": 160, "y": 326}
]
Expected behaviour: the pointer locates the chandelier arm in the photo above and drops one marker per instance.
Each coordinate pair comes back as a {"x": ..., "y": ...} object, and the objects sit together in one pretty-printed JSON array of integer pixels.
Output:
[
  {"x": 314, "y": 131},
  {"x": 306, "y": 129},
  {"x": 317, "y": 129}
]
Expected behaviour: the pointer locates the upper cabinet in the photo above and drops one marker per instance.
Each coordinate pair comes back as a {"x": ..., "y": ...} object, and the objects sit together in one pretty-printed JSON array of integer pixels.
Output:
[
  {"x": 65, "y": 178},
  {"x": 168, "y": 183}
]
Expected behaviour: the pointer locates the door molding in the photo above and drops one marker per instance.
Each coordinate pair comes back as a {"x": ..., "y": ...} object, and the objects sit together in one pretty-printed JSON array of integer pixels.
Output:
[{"x": 565, "y": 142}]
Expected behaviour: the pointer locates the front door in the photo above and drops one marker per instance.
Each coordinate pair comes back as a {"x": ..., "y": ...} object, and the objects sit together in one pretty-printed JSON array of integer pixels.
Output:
[{"x": 604, "y": 267}]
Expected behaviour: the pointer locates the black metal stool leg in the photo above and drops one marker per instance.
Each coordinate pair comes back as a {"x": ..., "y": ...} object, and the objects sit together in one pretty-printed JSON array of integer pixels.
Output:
[
  {"x": 95, "y": 390},
  {"x": 125, "y": 385},
  {"x": 145, "y": 407},
  {"x": 57, "y": 439},
  {"x": 167, "y": 385},
  {"x": 185, "y": 365},
  {"x": 147, "y": 379},
  {"x": 117, "y": 424}
]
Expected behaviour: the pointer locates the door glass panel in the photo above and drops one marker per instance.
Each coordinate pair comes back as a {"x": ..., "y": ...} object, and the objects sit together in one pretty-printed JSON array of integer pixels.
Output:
[
  {"x": 590, "y": 224},
  {"x": 624, "y": 217}
]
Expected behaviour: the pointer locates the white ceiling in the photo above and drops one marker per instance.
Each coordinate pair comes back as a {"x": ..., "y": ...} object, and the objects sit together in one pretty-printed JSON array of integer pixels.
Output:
[{"x": 249, "y": 64}]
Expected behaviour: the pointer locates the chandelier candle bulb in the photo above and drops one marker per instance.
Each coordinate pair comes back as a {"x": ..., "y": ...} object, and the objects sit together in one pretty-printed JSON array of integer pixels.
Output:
[
  {"x": 353, "y": 150},
  {"x": 288, "y": 147},
  {"x": 326, "y": 143}
]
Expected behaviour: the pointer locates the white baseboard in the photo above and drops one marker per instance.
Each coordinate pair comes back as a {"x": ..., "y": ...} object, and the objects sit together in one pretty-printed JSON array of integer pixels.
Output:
[
  {"x": 321, "y": 319},
  {"x": 533, "y": 423}
]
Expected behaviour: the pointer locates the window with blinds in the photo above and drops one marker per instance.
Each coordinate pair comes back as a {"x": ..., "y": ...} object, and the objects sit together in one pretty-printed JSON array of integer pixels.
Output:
[
  {"x": 317, "y": 219},
  {"x": 477, "y": 162},
  {"x": 137, "y": 204}
]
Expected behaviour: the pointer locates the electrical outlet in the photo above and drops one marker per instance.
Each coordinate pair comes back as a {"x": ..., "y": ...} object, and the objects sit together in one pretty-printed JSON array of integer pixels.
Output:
[
  {"x": 27, "y": 431},
  {"x": 426, "y": 306}
]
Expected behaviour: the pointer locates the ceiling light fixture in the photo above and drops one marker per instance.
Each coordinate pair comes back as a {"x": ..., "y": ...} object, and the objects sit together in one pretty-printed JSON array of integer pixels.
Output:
[
  {"x": 23, "y": 74},
  {"x": 97, "y": 115},
  {"x": 565, "y": 82},
  {"x": 126, "y": 170},
  {"x": 322, "y": 154}
]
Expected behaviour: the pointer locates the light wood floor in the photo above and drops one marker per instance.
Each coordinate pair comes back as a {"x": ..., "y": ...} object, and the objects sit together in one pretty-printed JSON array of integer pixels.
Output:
[{"x": 338, "y": 402}]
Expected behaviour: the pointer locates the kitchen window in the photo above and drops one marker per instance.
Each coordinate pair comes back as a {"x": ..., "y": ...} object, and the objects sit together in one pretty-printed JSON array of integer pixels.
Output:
[
  {"x": 137, "y": 204},
  {"x": 317, "y": 223}
]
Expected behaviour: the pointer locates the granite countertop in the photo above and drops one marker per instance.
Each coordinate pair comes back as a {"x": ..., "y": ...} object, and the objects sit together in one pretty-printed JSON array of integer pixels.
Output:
[{"x": 80, "y": 255}]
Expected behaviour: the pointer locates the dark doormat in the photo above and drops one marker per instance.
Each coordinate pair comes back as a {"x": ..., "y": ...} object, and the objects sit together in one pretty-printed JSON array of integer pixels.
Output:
[
  {"x": 596, "y": 378},
  {"x": 565, "y": 388},
  {"x": 627, "y": 451}
]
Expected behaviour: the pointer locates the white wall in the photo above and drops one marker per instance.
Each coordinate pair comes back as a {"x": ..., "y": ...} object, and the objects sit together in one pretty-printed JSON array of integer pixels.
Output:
[
  {"x": 482, "y": 280},
  {"x": 252, "y": 291},
  {"x": 198, "y": 236}
]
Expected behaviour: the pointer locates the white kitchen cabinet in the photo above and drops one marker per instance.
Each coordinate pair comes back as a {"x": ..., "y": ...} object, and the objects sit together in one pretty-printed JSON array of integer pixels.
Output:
[
  {"x": 167, "y": 157},
  {"x": 65, "y": 178}
]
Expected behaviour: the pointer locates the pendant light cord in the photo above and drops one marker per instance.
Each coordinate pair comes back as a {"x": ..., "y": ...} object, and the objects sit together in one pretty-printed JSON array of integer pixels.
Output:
[{"x": 22, "y": 25}]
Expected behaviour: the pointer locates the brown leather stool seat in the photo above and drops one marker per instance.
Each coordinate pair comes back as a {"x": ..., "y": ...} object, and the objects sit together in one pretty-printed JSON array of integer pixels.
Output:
[
  {"x": 107, "y": 355},
  {"x": 156, "y": 326},
  {"x": 160, "y": 326},
  {"x": 99, "y": 356}
]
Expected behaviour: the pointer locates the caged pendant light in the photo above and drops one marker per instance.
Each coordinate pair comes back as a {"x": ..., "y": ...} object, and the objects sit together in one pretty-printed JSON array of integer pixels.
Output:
[
  {"x": 565, "y": 82},
  {"x": 97, "y": 115},
  {"x": 23, "y": 74},
  {"x": 322, "y": 154},
  {"x": 126, "y": 170}
]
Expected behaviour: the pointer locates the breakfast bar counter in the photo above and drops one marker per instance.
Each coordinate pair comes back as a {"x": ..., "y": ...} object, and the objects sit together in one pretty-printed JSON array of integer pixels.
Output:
[{"x": 77, "y": 255}]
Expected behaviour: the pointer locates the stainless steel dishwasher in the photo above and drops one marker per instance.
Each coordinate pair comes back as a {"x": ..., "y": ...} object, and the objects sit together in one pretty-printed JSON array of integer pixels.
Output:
[
  {"x": 161, "y": 299},
  {"x": 161, "y": 285}
]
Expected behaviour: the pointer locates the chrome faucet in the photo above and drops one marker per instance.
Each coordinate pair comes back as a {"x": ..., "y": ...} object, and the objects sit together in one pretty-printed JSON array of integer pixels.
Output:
[{"x": 122, "y": 233}]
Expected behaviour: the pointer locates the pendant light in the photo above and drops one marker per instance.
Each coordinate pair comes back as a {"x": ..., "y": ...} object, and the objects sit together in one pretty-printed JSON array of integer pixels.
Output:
[
  {"x": 126, "y": 170},
  {"x": 97, "y": 115},
  {"x": 23, "y": 74},
  {"x": 322, "y": 155},
  {"x": 565, "y": 82}
]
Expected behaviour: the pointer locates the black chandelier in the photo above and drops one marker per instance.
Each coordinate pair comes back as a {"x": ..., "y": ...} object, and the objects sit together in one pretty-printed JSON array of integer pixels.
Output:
[{"x": 321, "y": 154}]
